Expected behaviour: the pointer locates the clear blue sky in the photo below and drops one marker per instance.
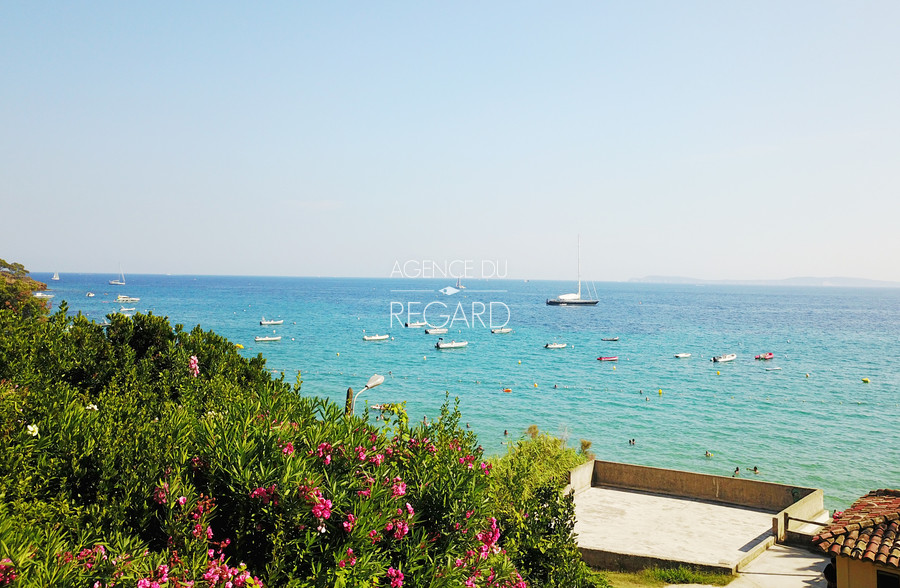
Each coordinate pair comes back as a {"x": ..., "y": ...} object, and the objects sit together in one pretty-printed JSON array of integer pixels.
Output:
[{"x": 716, "y": 140}]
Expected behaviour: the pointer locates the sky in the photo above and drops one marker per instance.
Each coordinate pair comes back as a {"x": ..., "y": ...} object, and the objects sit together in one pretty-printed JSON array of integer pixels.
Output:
[{"x": 713, "y": 140}]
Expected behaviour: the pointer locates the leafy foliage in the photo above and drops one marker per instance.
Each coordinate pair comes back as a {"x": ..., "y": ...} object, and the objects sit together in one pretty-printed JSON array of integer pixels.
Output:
[
  {"x": 538, "y": 521},
  {"x": 139, "y": 453},
  {"x": 16, "y": 289}
]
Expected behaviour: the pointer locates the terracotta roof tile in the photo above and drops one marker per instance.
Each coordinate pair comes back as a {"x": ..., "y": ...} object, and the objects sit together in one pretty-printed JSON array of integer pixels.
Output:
[{"x": 869, "y": 530}]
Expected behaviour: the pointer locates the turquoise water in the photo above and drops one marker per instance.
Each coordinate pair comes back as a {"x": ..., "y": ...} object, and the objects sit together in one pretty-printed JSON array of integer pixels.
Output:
[{"x": 812, "y": 423}]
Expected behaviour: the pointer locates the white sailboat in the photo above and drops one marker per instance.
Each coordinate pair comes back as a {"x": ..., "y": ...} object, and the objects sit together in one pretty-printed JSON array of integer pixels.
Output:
[
  {"x": 55, "y": 277},
  {"x": 573, "y": 299},
  {"x": 120, "y": 281}
]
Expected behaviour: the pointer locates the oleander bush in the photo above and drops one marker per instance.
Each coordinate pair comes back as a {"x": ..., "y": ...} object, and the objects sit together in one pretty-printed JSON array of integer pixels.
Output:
[{"x": 139, "y": 454}]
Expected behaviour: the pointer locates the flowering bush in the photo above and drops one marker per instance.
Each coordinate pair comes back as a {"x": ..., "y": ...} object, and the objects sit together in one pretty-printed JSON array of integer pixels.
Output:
[{"x": 194, "y": 468}]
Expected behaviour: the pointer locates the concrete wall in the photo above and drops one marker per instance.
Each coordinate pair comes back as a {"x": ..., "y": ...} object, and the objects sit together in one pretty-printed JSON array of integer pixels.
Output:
[
  {"x": 807, "y": 508},
  {"x": 580, "y": 478},
  {"x": 765, "y": 496}
]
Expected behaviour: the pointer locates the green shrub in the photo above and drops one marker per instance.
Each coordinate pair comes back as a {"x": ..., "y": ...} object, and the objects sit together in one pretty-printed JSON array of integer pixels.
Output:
[
  {"x": 141, "y": 453},
  {"x": 537, "y": 520}
]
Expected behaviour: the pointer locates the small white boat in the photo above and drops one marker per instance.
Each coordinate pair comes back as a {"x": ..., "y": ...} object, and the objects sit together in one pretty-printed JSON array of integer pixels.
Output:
[
  {"x": 90, "y": 294},
  {"x": 555, "y": 346},
  {"x": 376, "y": 337},
  {"x": 501, "y": 330},
  {"x": 416, "y": 325},
  {"x": 682, "y": 355},
  {"x": 773, "y": 369},
  {"x": 724, "y": 358},
  {"x": 123, "y": 298},
  {"x": 123, "y": 309},
  {"x": 43, "y": 295},
  {"x": 271, "y": 322},
  {"x": 55, "y": 277},
  {"x": 436, "y": 331},
  {"x": 267, "y": 338},
  {"x": 441, "y": 344}
]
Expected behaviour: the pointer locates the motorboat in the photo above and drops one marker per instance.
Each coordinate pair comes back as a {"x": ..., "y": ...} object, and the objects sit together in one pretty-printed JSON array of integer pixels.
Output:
[
  {"x": 501, "y": 330},
  {"x": 724, "y": 358},
  {"x": 267, "y": 338},
  {"x": 416, "y": 325},
  {"x": 271, "y": 322},
  {"x": 610, "y": 339},
  {"x": 555, "y": 345},
  {"x": 682, "y": 355},
  {"x": 575, "y": 298},
  {"x": 773, "y": 369},
  {"x": 90, "y": 294},
  {"x": 611, "y": 358},
  {"x": 436, "y": 331},
  {"x": 123, "y": 298},
  {"x": 441, "y": 344},
  {"x": 376, "y": 337},
  {"x": 129, "y": 309},
  {"x": 43, "y": 295},
  {"x": 769, "y": 355}
]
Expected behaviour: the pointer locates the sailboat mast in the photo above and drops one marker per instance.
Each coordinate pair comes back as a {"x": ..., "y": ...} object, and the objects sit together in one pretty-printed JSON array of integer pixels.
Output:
[{"x": 579, "y": 267}]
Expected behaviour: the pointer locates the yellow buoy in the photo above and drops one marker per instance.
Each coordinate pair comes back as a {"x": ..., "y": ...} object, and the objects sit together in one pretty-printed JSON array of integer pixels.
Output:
[
  {"x": 807, "y": 375},
  {"x": 660, "y": 391},
  {"x": 718, "y": 373},
  {"x": 520, "y": 362},
  {"x": 338, "y": 354},
  {"x": 424, "y": 358},
  {"x": 866, "y": 380},
  {"x": 535, "y": 384},
  {"x": 614, "y": 367}
]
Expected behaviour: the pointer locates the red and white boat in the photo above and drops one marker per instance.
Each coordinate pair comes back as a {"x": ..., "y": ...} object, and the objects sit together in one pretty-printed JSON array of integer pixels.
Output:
[
  {"x": 769, "y": 355},
  {"x": 613, "y": 358}
]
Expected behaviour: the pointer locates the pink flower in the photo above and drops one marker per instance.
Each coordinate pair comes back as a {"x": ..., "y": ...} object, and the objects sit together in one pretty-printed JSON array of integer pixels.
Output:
[
  {"x": 288, "y": 448},
  {"x": 398, "y": 489},
  {"x": 349, "y": 523},
  {"x": 400, "y": 529},
  {"x": 194, "y": 366},
  {"x": 396, "y": 577},
  {"x": 182, "y": 500},
  {"x": 161, "y": 492}
]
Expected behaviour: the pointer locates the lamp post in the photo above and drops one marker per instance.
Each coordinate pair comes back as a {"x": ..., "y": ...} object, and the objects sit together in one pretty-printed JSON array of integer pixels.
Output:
[{"x": 375, "y": 380}]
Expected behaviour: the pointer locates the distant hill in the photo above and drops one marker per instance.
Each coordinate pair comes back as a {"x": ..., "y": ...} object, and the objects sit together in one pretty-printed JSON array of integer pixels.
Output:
[{"x": 839, "y": 282}]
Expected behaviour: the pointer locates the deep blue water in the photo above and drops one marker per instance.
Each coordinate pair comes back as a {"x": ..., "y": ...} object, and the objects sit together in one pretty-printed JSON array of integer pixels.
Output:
[{"x": 812, "y": 423}]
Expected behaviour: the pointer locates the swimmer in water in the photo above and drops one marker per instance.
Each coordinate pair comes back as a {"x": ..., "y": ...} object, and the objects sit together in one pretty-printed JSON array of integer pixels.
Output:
[
  {"x": 737, "y": 472},
  {"x": 755, "y": 470},
  {"x": 708, "y": 454}
]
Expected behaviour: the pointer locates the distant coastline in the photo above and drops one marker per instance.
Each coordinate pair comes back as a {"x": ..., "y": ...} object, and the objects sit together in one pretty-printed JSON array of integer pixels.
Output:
[{"x": 835, "y": 282}]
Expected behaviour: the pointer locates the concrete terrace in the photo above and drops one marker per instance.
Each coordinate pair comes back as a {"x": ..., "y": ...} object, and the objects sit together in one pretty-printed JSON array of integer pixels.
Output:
[{"x": 631, "y": 517}]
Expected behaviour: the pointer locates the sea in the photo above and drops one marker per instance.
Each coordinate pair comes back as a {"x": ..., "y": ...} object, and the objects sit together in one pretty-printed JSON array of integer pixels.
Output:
[{"x": 805, "y": 417}]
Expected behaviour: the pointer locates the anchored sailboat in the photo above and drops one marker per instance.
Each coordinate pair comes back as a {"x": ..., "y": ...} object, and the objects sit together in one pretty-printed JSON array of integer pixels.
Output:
[
  {"x": 573, "y": 299},
  {"x": 120, "y": 281}
]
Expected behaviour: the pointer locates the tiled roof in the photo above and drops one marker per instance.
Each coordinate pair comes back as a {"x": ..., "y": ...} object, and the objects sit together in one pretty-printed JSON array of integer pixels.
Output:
[{"x": 868, "y": 531}]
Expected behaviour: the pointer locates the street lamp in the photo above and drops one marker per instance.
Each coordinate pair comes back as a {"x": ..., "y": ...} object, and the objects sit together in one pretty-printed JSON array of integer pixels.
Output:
[{"x": 375, "y": 380}]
